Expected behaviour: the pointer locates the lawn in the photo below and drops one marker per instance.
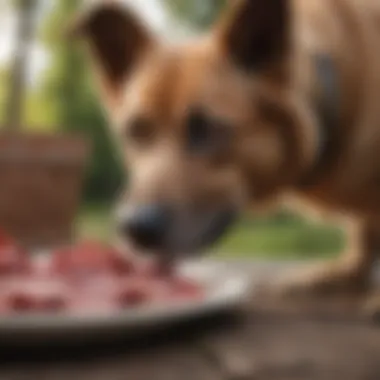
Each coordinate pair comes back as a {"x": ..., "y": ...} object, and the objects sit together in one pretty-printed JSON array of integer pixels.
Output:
[{"x": 280, "y": 237}]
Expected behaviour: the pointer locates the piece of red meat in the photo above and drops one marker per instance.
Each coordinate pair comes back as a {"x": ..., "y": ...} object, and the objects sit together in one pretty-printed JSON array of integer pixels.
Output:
[
  {"x": 53, "y": 303},
  {"x": 33, "y": 295},
  {"x": 120, "y": 264},
  {"x": 28, "y": 302},
  {"x": 13, "y": 259},
  {"x": 20, "y": 302},
  {"x": 134, "y": 293},
  {"x": 185, "y": 288},
  {"x": 90, "y": 258}
]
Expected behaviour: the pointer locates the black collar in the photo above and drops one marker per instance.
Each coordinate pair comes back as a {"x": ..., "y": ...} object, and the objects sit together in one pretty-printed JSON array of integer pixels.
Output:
[{"x": 327, "y": 112}]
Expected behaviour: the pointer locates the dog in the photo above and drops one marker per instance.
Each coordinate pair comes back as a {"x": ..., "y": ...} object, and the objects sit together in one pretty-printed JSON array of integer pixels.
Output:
[{"x": 279, "y": 100}]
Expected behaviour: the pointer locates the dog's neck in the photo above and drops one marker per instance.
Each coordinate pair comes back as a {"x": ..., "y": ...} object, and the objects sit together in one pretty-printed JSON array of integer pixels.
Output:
[{"x": 327, "y": 111}]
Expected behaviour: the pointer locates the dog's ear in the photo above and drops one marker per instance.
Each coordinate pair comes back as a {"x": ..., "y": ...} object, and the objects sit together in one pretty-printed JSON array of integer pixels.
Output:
[
  {"x": 256, "y": 33},
  {"x": 117, "y": 39}
]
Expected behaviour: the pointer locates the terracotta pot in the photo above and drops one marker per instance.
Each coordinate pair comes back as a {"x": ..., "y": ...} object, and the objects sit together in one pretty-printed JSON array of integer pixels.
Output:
[{"x": 41, "y": 178}]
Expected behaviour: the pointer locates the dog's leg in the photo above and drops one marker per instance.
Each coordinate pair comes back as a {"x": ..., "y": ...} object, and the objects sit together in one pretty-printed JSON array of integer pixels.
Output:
[{"x": 350, "y": 273}]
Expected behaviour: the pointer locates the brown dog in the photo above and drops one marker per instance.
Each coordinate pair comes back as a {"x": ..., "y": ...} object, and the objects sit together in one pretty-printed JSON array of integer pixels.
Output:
[{"x": 281, "y": 97}]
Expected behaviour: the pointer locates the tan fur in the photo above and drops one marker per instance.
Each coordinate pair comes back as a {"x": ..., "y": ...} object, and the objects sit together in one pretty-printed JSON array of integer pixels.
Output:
[{"x": 274, "y": 126}]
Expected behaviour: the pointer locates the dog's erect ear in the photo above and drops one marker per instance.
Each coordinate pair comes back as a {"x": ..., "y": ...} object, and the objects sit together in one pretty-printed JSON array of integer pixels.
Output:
[
  {"x": 116, "y": 39},
  {"x": 256, "y": 33}
]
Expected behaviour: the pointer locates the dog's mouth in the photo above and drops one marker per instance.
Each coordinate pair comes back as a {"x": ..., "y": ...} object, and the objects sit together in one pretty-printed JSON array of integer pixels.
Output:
[
  {"x": 193, "y": 232},
  {"x": 178, "y": 233}
]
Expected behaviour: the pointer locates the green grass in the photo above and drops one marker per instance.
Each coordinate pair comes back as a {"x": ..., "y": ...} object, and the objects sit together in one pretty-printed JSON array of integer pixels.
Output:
[
  {"x": 281, "y": 238},
  {"x": 95, "y": 222},
  {"x": 285, "y": 242}
]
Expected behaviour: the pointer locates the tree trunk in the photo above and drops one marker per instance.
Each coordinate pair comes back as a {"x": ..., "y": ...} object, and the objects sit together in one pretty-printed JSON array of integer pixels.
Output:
[{"x": 25, "y": 30}]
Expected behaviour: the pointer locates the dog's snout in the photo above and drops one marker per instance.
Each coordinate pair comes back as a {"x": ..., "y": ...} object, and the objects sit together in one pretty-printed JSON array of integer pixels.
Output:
[{"x": 147, "y": 226}]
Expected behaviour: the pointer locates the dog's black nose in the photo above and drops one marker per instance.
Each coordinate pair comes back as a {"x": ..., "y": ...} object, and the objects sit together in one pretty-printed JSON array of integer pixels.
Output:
[{"x": 147, "y": 226}]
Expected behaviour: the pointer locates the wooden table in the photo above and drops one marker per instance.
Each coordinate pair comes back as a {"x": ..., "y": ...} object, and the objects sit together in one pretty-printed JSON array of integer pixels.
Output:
[{"x": 263, "y": 341}]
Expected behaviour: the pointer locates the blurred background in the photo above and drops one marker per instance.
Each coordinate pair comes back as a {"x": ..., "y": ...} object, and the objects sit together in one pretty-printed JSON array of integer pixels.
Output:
[{"x": 45, "y": 88}]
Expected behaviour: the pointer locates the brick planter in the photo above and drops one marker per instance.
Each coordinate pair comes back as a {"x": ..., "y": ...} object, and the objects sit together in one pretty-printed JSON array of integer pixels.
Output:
[{"x": 40, "y": 186}]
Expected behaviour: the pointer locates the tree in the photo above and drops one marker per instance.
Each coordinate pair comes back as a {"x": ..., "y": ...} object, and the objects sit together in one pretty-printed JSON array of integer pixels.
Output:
[
  {"x": 198, "y": 13},
  {"x": 25, "y": 31},
  {"x": 67, "y": 93}
]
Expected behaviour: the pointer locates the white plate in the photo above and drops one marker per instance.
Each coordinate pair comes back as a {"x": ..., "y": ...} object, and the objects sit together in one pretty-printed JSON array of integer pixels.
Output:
[{"x": 224, "y": 290}]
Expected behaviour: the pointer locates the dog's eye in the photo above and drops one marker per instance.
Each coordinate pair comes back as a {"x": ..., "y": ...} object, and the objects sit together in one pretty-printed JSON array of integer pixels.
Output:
[
  {"x": 205, "y": 134},
  {"x": 139, "y": 130}
]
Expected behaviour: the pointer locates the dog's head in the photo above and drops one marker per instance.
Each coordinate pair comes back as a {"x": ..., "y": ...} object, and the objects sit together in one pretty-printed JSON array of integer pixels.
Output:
[{"x": 205, "y": 127}]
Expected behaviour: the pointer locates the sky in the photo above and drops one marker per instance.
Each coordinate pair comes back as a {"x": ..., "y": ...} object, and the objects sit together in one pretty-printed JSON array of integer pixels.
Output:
[{"x": 150, "y": 10}]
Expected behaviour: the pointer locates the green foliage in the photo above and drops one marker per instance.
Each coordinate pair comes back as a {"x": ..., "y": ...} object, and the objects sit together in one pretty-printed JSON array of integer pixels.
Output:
[
  {"x": 39, "y": 117},
  {"x": 3, "y": 92},
  {"x": 199, "y": 13},
  {"x": 67, "y": 93},
  {"x": 287, "y": 240}
]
